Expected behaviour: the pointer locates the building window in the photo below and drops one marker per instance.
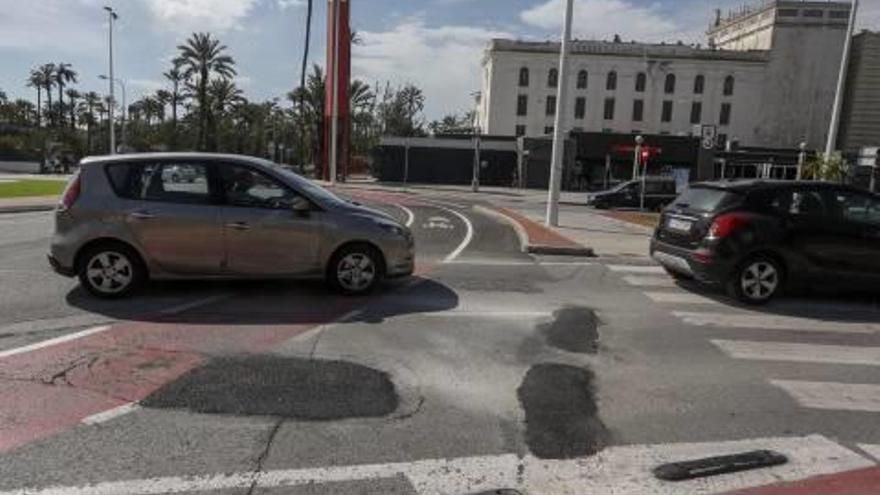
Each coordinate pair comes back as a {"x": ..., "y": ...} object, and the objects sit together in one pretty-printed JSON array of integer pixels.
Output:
[
  {"x": 553, "y": 78},
  {"x": 838, "y": 14},
  {"x": 814, "y": 13},
  {"x": 641, "y": 82},
  {"x": 609, "y": 108},
  {"x": 667, "y": 111},
  {"x": 550, "y": 108},
  {"x": 580, "y": 107},
  {"x": 726, "y": 110},
  {"x": 548, "y": 130},
  {"x": 728, "y": 86},
  {"x": 524, "y": 77},
  {"x": 611, "y": 83},
  {"x": 522, "y": 105},
  {"x": 607, "y": 130},
  {"x": 699, "y": 85},
  {"x": 582, "y": 79},
  {"x": 696, "y": 112},
  {"x": 638, "y": 110},
  {"x": 520, "y": 131},
  {"x": 787, "y": 13},
  {"x": 669, "y": 85}
]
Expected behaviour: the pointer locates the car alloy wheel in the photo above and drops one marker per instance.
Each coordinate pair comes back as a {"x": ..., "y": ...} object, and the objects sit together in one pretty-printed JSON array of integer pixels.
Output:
[
  {"x": 110, "y": 272},
  {"x": 759, "y": 280},
  {"x": 356, "y": 272}
]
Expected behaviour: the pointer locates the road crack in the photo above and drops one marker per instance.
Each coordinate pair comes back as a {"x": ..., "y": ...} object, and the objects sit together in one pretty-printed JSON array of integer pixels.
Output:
[{"x": 264, "y": 454}]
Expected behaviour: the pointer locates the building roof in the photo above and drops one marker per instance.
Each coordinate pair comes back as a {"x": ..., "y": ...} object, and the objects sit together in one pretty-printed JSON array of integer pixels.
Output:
[
  {"x": 757, "y": 7},
  {"x": 628, "y": 49}
]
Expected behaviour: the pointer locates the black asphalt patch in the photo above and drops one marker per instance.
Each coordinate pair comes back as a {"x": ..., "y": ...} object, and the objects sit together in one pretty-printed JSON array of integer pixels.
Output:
[
  {"x": 562, "y": 419},
  {"x": 279, "y": 386},
  {"x": 573, "y": 329}
]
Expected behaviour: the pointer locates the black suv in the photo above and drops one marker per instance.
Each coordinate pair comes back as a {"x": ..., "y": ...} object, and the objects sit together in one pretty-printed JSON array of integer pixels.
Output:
[{"x": 755, "y": 238}]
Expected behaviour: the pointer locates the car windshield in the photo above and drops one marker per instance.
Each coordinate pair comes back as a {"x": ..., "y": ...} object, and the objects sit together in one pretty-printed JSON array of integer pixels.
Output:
[
  {"x": 308, "y": 187},
  {"x": 704, "y": 199}
]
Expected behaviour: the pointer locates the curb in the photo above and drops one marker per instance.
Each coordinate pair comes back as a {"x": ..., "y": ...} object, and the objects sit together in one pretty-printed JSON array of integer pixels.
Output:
[
  {"x": 858, "y": 482},
  {"x": 525, "y": 242},
  {"x": 5, "y": 210}
]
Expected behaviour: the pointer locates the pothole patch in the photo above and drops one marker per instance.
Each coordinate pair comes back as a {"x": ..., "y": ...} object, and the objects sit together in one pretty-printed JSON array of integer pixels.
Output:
[
  {"x": 573, "y": 329},
  {"x": 295, "y": 388},
  {"x": 562, "y": 418}
]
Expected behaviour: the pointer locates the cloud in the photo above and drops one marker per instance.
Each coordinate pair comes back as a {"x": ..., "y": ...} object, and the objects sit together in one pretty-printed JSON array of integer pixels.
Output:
[
  {"x": 200, "y": 15},
  {"x": 444, "y": 61},
  {"x": 287, "y": 4},
  {"x": 48, "y": 25},
  {"x": 602, "y": 19}
]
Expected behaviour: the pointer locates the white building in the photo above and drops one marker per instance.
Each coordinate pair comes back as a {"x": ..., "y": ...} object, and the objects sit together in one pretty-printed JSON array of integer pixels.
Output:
[{"x": 767, "y": 79}]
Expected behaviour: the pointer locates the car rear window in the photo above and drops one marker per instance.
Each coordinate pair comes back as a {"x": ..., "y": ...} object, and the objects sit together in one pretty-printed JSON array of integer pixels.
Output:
[
  {"x": 706, "y": 199},
  {"x": 121, "y": 180}
]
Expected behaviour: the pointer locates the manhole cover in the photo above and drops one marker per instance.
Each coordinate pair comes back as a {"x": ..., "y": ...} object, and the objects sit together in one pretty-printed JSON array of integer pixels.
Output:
[{"x": 278, "y": 386}]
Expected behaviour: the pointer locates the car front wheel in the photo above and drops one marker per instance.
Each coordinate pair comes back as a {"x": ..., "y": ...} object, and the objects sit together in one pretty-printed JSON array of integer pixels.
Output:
[
  {"x": 111, "y": 271},
  {"x": 757, "y": 280},
  {"x": 356, "y": 269}
]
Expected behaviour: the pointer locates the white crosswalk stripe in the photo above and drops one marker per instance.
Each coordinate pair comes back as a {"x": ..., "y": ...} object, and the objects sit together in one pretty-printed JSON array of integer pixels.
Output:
[
  {"x": 800, "y": 353},
  {"x": 872, "y": 450},
  {"x": 833, "y": 396},
  {"x": 648, "y": 281},
  {"x": 774, "y": 322},
  {"x": 655, "y": 270},
  {"x": 679, "y": 298}
]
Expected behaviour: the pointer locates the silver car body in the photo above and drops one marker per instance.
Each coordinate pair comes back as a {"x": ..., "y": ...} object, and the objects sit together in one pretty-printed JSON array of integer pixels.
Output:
[{"x": 217, "y": 240}]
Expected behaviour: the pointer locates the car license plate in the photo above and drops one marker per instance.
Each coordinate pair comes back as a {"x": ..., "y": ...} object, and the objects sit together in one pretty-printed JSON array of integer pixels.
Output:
[{"x": 680, "y": 225}]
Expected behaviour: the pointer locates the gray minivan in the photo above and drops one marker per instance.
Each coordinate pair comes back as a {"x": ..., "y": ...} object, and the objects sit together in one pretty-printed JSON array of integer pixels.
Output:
[{"x": 123, "y": 219}]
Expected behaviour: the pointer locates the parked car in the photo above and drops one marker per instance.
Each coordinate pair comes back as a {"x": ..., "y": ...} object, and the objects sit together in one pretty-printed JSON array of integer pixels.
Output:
[
  {"x": 755, "y": 238},
  {"x": 659, "y": 191},
  {"x": 179, "y": 173},
  {"x": 123, "y": 219}
]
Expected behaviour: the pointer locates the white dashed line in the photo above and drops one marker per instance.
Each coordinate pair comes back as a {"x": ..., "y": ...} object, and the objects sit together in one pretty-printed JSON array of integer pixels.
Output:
[
  {"x": 773, "y": 322},
  {"x": 642, "y": 281},
  {"x": 833, "y": 396},
  {"x": 114, "y": 413},
  {"x": 52, "y": 342},
  {"x": 679, "y": 298}
]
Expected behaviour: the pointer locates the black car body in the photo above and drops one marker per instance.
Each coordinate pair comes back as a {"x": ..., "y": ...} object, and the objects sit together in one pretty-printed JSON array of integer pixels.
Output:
[
  {"x": 756, "y": 238},
  {"x": 659, "y": 192}
]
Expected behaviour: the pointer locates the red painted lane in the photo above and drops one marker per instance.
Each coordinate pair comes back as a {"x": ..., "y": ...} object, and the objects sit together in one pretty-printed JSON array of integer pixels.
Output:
[{"x": 860, "y": 482}]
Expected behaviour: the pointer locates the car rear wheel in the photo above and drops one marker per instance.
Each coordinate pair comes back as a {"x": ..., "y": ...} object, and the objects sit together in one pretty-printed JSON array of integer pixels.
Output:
[
  {"x": 356, "y": 269},
  {"x": 757, "y": 280},
  {"x": 111, "y": 271}
]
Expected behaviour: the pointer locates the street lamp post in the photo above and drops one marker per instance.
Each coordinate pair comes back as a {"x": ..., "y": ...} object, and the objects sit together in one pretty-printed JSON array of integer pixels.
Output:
[
  {"x": 475, "y": 181},
  {"x": 112, "y": 17},
  {"x": 802, "y": 160},
  {"x": 124, "y": 106},
  {"x": 637, "y": 156},
  {"x": 561, "y": 109}
]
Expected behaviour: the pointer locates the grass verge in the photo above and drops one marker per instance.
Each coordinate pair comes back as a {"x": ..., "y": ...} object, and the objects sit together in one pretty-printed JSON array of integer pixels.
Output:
[{"x": 31, "y": 188}]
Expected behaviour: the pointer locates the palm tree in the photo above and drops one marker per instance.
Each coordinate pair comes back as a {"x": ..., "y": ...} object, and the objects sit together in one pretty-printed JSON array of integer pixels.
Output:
[
  {"x": 201, "y": 57},
  {"x": 35, "y": 81},
  {"x": 63, "y": 76},
  {"x": 91, "y": 100},
  {"x": 176, "y": 77},
  {"x": 163, "y": 97},
  {"x": 309, "y": 117},
  {"x": 72, "y": 96},
  {"x": 47, "y": 76}
]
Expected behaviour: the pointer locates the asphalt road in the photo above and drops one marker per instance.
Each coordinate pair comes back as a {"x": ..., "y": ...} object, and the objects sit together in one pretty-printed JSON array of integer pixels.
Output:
[{"x": 490, "y": 369}]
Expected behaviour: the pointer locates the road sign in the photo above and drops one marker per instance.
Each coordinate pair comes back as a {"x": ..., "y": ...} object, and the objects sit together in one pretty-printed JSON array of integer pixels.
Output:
[{"x": 709, "y": 134}]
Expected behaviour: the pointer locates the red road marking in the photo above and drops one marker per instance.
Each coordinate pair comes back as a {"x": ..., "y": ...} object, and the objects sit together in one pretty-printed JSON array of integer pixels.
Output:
[{"x": 859, "y": 482}]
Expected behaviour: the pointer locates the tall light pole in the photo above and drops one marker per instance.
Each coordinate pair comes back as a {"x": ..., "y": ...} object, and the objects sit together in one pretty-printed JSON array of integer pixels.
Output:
[
  {"x": 112, "y": 17},
  {"x": 334, "y": 114},
  {"x": 124, "y": 104},
  {"x": 841, "y": 83},
  {"x": 558, "y": 131}
]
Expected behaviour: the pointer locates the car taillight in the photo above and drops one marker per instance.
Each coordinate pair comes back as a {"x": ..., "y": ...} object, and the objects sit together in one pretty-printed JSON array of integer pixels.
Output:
[
  {"x": 726, "y": 224},
  {"x": 71, "y": 193}
]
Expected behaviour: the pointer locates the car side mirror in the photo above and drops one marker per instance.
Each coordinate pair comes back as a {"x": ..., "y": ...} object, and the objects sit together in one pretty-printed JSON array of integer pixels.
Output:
[{"x": 300, "y": 205}]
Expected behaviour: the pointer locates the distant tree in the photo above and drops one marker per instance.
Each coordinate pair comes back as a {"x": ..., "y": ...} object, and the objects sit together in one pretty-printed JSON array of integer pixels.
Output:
[
  {"x": 90, "y": 102},
  {"x": 164, "y": 98},
  {"x": 401, "y": 111},
  {"x": 450, "y": 123},
  {"x": 309, "y": 117},
  {"x": 201, "y": 57},
  {"x": 64, "y": 75},
  {"x": 176, "y": 77},
  {"x": 72, "y": 97},
  {"x": 832, "y": 168}
]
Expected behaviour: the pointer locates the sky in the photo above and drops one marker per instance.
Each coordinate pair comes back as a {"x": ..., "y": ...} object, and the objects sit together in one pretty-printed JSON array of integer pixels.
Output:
[{"x": 435, "y": 44}]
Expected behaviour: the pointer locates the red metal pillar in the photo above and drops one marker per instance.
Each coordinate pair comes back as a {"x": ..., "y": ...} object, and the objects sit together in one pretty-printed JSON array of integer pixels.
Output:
[{"x": 342, "y": 88}]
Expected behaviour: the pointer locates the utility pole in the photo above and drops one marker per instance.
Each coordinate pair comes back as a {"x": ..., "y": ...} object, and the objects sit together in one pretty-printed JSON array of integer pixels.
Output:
[
  {"x": 558, "y": 131},
  {"x": 475, "y": 180},
  {"x": 637, "y": 156},
  {"x": 334, "y": 115},
  {"x": 112, "y": 16},
  {"x": 831, "y": 144},
  {"x": 802, "y": 160}
]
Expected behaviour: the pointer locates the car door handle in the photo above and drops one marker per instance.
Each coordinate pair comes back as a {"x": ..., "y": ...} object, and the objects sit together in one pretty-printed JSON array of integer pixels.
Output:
[
  {"x": 141, "y": 215},
  {"x": 238, "y": 226}
]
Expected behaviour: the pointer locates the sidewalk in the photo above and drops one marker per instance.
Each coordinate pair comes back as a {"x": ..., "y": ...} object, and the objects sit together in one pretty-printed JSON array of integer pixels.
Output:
[{"x": 28, "y": 204}]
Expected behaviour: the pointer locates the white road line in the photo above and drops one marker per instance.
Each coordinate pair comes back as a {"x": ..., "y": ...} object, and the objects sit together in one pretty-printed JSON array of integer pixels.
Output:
[
  {"x": 679, "y": 298},
  {"x": 48, "y": 324},
  {"x": 619, "y": 470},
  {"x": 774, "y": 322},
  {"x": 636, "y": 269},
  {"x": 872, "y": 450},
  {"x": 800, "y": 353},
  {"x": 468, "y": 237},
  {"x": 410, "y": 216},
  {"x": 642, "y": 281},
  {"x": 833, "y": 396},
  {"x": 114, "y": 413},
  {"x": 52, "y": 342},
  {"x": 194, "y": 304}
]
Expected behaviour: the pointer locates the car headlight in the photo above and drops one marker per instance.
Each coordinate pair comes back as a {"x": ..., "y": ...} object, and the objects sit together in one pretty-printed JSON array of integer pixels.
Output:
[{"x": 393, "y": 229}]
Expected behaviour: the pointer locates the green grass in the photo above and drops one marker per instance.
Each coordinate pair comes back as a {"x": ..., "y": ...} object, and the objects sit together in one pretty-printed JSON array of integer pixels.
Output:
[{"x": 30, "y": 188}]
